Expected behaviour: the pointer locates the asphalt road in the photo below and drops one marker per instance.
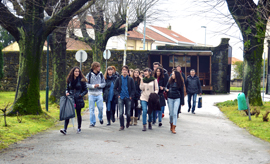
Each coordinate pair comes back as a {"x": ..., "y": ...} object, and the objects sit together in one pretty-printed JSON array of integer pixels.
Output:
[{"x": 205, "y": 138}]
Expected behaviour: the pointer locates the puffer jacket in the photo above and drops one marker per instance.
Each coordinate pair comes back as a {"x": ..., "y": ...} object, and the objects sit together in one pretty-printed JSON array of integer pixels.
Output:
[
  {"x": 77, "y": 92},
  {"x": 107, "y": 87},
  {"x": 175, "y": 92},
  {"x": 193, "y": 85},
  {"x": 95, "y": 79}
]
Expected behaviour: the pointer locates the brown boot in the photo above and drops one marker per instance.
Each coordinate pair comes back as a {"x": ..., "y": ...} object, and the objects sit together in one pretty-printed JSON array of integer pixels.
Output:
[
  {"x": 173, "y": 129},
  {"x": 131, "y": 121},
  {"x": 144, "y": 128},
  {"x": 135, "y": 120},
  {"x": 171, "y": 126}
]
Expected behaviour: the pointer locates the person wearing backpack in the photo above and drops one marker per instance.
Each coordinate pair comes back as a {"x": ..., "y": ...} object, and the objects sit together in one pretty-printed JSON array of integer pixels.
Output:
[
  {"x": 76, "y": 86},
  {"x": 95, "y": 85},
  {"x": 108, "y": 94}
]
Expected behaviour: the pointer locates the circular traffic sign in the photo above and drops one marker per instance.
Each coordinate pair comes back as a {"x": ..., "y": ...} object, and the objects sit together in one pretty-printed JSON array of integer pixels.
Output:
[
  {"x": 107, "y": 54},
  {"x": 81, "y": 56}
]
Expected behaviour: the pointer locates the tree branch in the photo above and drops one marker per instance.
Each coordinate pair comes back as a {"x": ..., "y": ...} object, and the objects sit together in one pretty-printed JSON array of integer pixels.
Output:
[
  {"x": 17, "y": 7},
  {"x": 63, "y": 15},
  {"x": 10, "y": 22}
]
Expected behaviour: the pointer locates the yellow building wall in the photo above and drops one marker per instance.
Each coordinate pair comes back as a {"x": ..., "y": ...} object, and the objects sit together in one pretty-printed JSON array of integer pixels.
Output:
[{"x": 138, "y": 45}]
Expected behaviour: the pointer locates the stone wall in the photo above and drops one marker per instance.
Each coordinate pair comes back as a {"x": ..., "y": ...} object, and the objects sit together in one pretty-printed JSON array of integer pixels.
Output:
[{"x": 135, "y": 59}]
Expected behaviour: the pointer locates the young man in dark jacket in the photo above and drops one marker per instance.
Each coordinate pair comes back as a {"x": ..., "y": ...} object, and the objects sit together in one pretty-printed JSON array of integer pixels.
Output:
[
  {"x": 124, "y": 90},
  {"x": 193, "y": 87}
]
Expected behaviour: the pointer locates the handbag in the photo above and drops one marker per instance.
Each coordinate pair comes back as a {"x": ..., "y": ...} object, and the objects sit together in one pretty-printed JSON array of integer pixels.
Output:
[
  {"x": 200, "y": 102},
  {"x": 165, "y": 95}
]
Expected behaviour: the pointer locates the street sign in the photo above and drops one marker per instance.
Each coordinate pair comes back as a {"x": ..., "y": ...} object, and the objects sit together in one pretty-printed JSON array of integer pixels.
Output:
[
  {"x": 107, "y": 54},
  {"x": 81, "y": 56}
]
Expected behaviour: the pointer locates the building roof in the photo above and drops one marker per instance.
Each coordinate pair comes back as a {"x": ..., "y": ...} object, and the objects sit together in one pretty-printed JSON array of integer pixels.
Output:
[
  {"x": 173, "y": 34},
  {"x": 72, "y": 44},
  {"x": 134, "y": 34},
  {"x": 157, "y": 37},
  {"x": 235, "y": 60}
]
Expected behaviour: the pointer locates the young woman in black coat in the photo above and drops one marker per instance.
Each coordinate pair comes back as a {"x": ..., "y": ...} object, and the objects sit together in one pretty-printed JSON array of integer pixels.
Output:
[
  {"x": 159, "y": 75},
  {"x": 108, "y": 94},
  {"x": 175, "y": 89},
  {"x": 134, "y": 103},
  {"x": 76, "y": 86}
]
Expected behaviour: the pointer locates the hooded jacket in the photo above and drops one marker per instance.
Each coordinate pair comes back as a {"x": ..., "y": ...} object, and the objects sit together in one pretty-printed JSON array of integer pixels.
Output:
[{"x": 93, "y": 80}]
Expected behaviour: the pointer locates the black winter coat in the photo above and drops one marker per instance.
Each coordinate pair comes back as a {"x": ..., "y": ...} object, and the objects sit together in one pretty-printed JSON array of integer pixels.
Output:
[
  {"x": 175, "y": 92},
  {"x": 138, "y": 91},
  {"x": 193, "y": 85},
  {"x": 118, "y": 87},
  {"x": 77, "y": 92},
  {"x": 161, "y": 83},
  {"x": 107, "y": 87}
]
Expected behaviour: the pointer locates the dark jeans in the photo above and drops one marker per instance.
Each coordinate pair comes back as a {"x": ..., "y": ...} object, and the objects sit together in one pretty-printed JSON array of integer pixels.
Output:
[
  {"x": 134, "y": 104},
  {"x": 121, "y": 103},
  {"x": 194, "y": 95},
  {"x": 79, "y": 118},
  {"x": 110, "y": 112}
]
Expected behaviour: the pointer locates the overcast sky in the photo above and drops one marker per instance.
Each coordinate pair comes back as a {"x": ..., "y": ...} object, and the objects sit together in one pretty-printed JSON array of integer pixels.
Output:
[{"x": 186, "y": 19}]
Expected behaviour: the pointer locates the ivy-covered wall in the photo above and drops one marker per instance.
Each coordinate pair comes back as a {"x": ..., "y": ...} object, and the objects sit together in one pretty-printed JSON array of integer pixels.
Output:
[{"x": 135, "y": 59}]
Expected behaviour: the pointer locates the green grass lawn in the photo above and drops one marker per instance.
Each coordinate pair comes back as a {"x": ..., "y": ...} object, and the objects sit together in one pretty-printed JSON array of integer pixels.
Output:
[
  {"x": 31, "y": 124},
  {"x": 240, "y": 89},
  {"x": 256, "y": 126}
]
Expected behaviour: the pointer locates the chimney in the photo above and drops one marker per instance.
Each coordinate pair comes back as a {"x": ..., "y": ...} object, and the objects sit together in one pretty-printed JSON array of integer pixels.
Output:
[{"x": 169, "y": 27}]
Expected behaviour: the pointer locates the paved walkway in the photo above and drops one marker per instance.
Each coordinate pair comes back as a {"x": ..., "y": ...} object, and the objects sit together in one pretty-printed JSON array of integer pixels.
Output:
[{"x": 205, "y": 138}]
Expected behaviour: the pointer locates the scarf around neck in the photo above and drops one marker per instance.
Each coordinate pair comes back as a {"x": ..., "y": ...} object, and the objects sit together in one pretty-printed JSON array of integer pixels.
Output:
[{"x": 148, "y": 80}]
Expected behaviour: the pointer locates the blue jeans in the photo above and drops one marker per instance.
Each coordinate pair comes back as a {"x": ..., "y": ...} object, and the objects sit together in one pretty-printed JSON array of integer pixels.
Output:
[
  {"x": 121, "y": 103},
  {"x": 158, "y": 114},
  {"x": 194, "y": 101},
  {"x": 99, "y": 101},
  {"x": 173, "y": 108},
  {"x": 144, "y": 115}
]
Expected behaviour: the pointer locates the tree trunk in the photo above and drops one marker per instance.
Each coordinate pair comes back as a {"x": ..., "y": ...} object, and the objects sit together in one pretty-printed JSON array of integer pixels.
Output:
[
  {"x": 252, "y": 72},
  {"x": 58, "y": 48},
  {"x": 27, "y": 98},
  {"x": 98, "y": 49}
]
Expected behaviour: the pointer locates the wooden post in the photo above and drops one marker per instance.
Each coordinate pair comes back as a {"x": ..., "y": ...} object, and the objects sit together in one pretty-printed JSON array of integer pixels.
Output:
[
  {"x": 198, "y": 65},
  {"x": 210, "y": 67},
  {"x": 185, "y": 65},
  {"x": 149, "y": 62},
  {"x": 173, "y": 61}
]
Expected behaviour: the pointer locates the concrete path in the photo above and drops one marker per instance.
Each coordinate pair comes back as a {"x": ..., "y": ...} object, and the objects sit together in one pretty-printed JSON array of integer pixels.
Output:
[{"x": 205, "y": 138}]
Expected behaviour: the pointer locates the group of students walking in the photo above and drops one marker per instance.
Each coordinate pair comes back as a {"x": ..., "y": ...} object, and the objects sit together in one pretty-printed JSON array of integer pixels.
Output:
[{"x": 134, "y": 91}]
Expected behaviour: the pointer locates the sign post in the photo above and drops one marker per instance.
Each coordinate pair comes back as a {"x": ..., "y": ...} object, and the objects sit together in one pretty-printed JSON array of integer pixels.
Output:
[
  {"x": 106, "y": 56},
  {"x": 81, "y": 57}
]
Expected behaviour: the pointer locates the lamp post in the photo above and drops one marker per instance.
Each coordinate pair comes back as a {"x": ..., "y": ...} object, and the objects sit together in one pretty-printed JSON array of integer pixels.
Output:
[
  {"x": 205, "y": 35},
  {"x": 126, "y": 34},
  {"x": 47, "y": 66},
  {"x": 144, "y": 28}
]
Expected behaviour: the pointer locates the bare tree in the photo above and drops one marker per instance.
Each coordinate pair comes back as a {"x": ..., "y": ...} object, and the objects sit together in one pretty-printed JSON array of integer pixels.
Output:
[
  {"x": 251, "y": 19},
  {"x": 109, "y": 18},
  {"x": 58, "y": 48},
  {"x": 25, "y": 22}
]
